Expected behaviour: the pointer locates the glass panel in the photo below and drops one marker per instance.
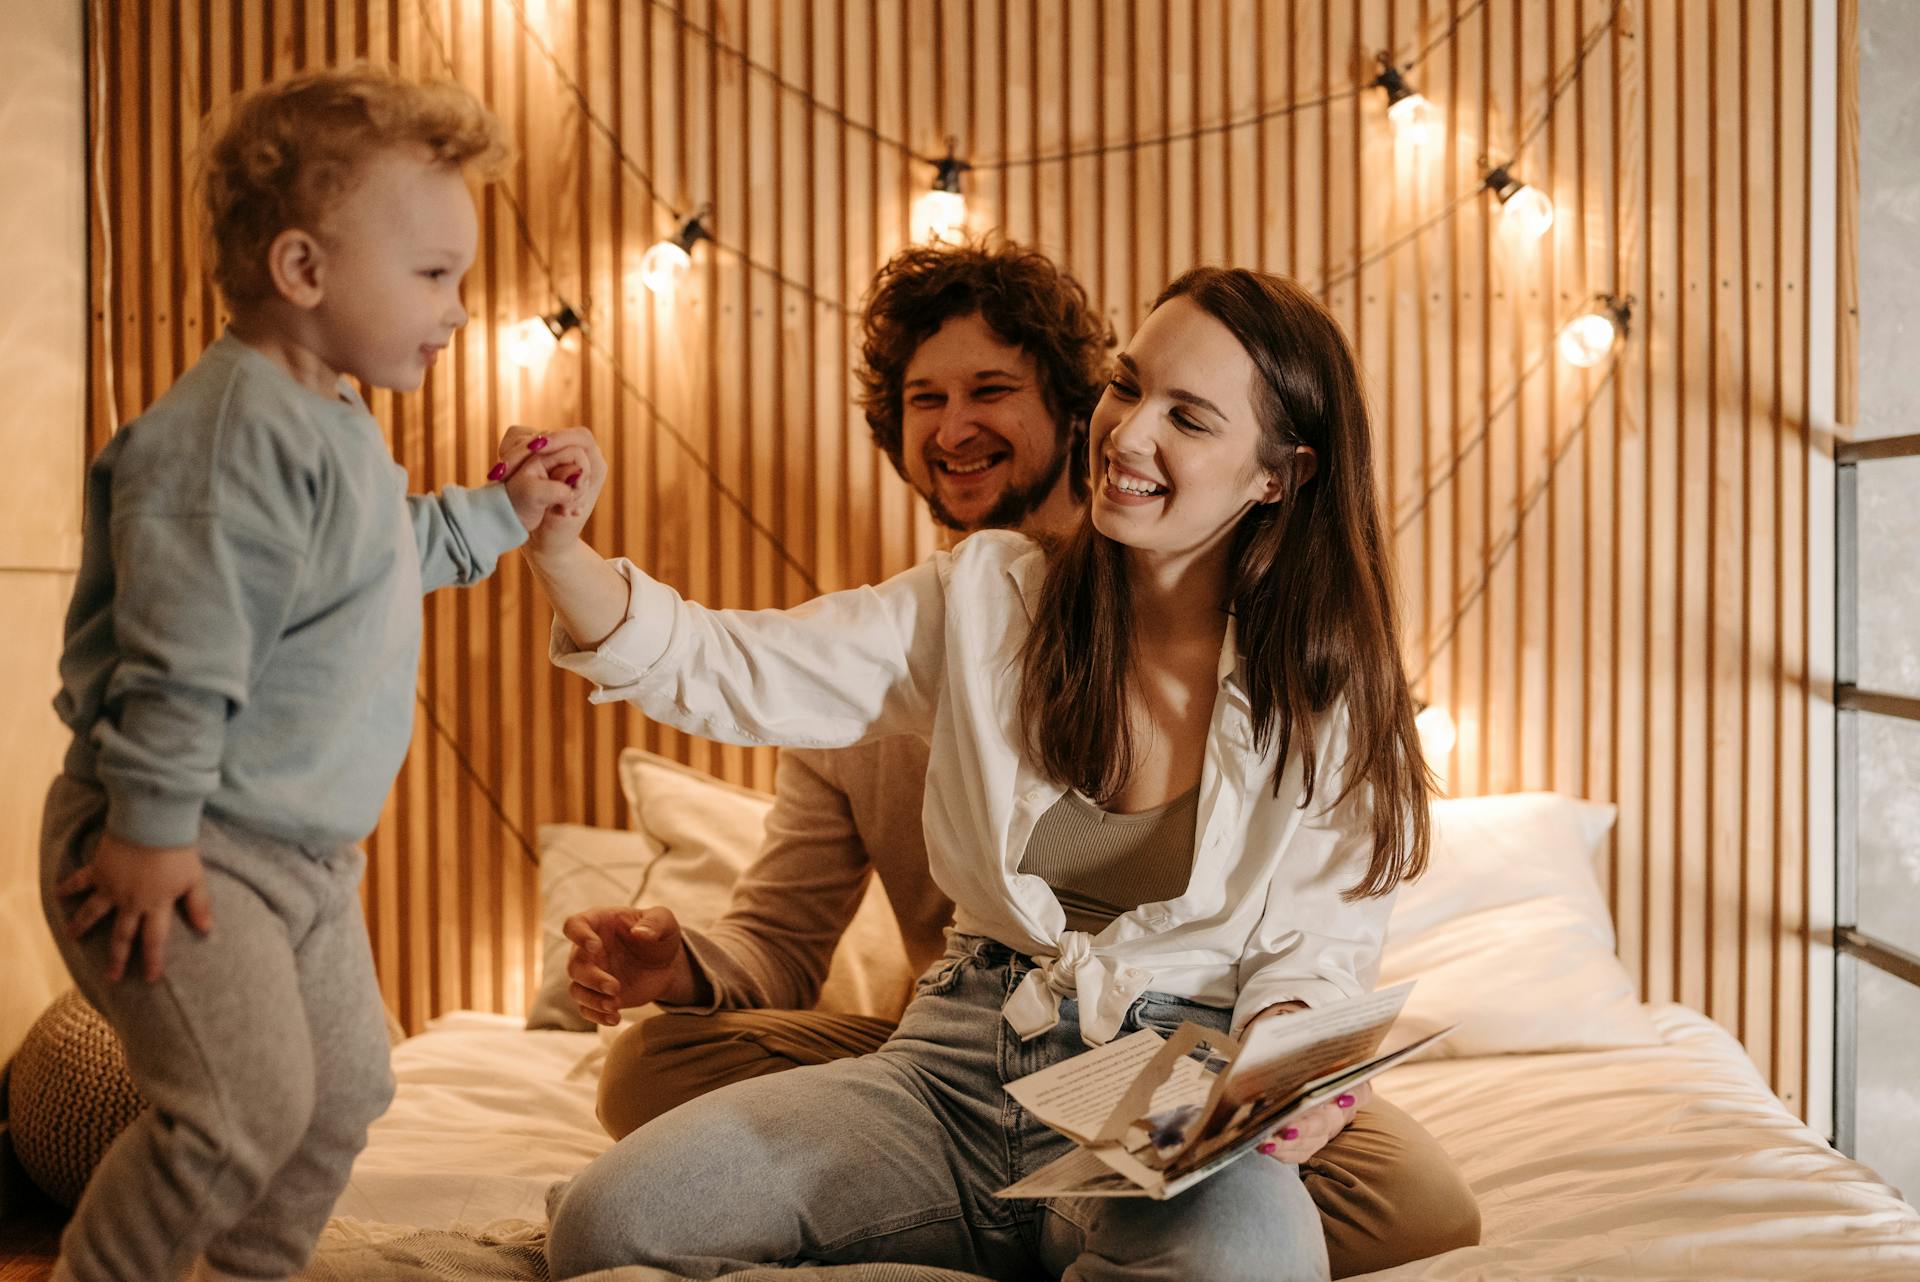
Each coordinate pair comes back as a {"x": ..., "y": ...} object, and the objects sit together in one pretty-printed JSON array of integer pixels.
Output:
[
  {"x": 1887, "y": 1136},
  {"x": 1889, "y": 215},
  {"x": 1890, "y": 830},
  {"x": 1890, "y": 575}
]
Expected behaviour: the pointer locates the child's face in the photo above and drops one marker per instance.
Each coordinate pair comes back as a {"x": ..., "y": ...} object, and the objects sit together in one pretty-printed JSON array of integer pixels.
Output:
[{"x": 396, "y": 248}]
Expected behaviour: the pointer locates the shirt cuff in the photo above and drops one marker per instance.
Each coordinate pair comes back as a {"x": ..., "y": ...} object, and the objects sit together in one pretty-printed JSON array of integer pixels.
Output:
[
  {"x": 632, "y": 649},
  {"x": 699, "y": 950},
  {"x": 154, "y": 819},
  {"x": 487, "y": 519},
  {"x": 1260, "y": 995}
]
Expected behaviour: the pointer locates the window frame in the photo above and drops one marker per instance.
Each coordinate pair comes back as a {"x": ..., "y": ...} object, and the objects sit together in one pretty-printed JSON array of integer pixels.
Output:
[{"x": 1854, "y": 947}]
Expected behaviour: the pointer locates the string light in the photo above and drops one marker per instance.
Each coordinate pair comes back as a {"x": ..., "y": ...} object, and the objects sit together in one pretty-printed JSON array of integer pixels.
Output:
[
  {"x": 1414, "y": 118},
  {"x": 532, "y": 343},
  {"x": 1588, "y": 337},
  {"x": 1437, "y": 732},
  {"x": 666, "y": 262},
  {"x": 1525, "y": 210},
  {"x": 942, "y": 212}
]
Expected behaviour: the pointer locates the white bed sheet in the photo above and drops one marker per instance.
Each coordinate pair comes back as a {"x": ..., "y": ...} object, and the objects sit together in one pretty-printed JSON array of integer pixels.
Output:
[
  {"x": 486, "y": 1117},
  {"x": 1671, "y": 1161}
]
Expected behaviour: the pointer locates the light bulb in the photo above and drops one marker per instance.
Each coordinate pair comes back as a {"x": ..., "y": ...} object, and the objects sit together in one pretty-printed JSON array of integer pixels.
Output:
[
  {"x": 664, "y": 266},
  {"x": 1587, "y": 339},
  {"x": 942, "y": 215},
  {"x": 1415, "y": 120},
  {"x": 1527, "y": 213},
  {"x": 1438, "y": 734},
  {"x": 531, "y": 343}
]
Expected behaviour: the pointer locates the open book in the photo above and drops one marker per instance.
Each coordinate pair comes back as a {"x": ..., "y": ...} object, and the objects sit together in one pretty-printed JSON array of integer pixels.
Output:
[{"x": 1155, "y": 1116}]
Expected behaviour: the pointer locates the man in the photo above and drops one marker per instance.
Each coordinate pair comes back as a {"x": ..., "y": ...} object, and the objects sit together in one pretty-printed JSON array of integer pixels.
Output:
[{"x": 980, "y": 368}]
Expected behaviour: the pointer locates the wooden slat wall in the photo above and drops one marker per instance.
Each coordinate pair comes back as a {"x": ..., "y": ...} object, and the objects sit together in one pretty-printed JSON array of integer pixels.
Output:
[{"x": 1605, "y": 572}]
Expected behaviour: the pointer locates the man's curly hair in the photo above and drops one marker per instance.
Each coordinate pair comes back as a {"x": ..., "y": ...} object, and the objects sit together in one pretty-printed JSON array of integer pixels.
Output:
[{"x": 1022, "y": 295}]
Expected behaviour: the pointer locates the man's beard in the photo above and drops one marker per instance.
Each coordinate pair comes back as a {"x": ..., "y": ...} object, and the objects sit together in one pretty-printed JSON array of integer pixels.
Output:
[{"x": 1015, "y": 504}]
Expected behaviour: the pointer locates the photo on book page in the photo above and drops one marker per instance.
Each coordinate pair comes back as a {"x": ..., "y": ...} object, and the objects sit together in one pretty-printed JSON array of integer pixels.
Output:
[{"x": 1162, "y": 1115}]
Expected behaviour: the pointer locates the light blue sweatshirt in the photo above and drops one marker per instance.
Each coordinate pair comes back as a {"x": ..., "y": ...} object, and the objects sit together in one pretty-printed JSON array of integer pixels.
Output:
[{"x": 245, "y": 630}]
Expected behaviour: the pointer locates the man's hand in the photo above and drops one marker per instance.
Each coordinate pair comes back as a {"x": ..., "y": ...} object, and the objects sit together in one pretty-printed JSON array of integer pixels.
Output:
[
  {"x": 585, "y": 475},
  {"x": 139, "y": 887},
  {"x": 626, "y": 957}
]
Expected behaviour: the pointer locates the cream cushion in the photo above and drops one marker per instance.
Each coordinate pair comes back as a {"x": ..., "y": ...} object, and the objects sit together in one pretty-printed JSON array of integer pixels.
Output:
[
  {"x": 1508, "y": 934},
  {"x": 693, "y": 835}
]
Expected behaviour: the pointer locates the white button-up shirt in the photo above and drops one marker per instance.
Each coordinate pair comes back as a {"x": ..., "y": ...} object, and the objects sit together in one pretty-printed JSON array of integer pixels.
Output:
[{"x": 935, "y": 652}]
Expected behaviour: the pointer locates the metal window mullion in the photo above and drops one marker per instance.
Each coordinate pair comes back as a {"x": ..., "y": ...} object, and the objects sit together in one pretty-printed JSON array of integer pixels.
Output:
[
  {"x": 1883, "y": 955},
  {"x": 1877, "y": 447},
  {"x": 1846, "y": 797},
  {"x": 1900, "y": 707}
]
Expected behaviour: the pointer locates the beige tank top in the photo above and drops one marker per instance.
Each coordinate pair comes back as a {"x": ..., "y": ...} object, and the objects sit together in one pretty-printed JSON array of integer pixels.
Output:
[{"x": 1101, "y": 864}]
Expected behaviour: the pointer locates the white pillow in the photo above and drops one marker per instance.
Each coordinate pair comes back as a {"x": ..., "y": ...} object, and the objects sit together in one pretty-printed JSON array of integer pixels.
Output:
[
  {"x": 1508, "y": 933},
  {"x": 693, "y": 836}
]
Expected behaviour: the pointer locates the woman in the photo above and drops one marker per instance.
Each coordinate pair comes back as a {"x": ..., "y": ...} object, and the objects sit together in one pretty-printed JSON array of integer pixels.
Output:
[{"x": 1174, "y": 775}]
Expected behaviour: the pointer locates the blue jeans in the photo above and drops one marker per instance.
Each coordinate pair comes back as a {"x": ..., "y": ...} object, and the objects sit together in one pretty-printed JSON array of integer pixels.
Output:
[{"x": 895, "y": 1156}]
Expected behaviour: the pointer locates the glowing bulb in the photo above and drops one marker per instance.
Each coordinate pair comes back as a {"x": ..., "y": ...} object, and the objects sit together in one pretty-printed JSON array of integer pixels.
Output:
[
  {"x": 530, "y": 343},
  {"x": 1527, "y": 213},
  {"x": 942, "y": 215},
  {"x": 534, "y": 340},
  {"x": 1587, "y": 339},
  {"x": 1438, "y": 734},
  {"x": 1415, "y": 120},
  {"x": 666, "y": 263},
  {"x": 664, "y": 266}
]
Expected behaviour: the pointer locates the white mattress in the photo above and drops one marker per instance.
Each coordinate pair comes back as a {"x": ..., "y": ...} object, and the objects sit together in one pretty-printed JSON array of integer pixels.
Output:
[{"x": 1658, "y": 1162}]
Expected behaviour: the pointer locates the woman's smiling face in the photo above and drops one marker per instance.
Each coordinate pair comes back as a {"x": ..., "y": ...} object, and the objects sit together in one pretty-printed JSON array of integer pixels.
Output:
[{"x": 1176, "y": 440}]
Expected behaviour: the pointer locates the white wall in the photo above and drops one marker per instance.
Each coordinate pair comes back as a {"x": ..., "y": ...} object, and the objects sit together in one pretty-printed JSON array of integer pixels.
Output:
[{"x": 43, "y": 351}]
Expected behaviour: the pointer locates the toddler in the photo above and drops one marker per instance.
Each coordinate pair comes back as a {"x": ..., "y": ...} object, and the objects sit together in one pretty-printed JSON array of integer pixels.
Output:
[{"x": 239, "y": 670}]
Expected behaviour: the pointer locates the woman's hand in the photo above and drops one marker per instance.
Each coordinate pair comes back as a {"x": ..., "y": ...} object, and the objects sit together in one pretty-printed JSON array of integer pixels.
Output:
[
  {"x": 624, "y": 957},
  {"x": 563, "y": 523},
  {"x": 546, "y": 485},
  {"x": 139, "y": 887},
  {"x": 1308, "y": 1133}
]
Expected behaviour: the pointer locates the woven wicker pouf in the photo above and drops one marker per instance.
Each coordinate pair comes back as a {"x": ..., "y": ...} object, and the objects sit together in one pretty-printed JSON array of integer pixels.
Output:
[{"x": 69, "y": 1097}]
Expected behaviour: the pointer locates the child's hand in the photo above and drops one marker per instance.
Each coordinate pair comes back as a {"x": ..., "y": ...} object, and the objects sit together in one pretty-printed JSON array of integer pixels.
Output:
[
  {"x": 139, "y": 887},
  {"x": 545, "y": 483},
  {"x": 563, "y": 522}
]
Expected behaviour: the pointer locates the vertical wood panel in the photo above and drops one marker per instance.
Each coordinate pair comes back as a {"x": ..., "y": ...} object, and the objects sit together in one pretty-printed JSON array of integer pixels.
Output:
[{"x": 1605, "y": 579}]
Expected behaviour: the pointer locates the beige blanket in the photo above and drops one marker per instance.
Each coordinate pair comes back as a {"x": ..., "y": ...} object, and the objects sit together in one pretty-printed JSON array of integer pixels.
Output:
[{"x": 515, "y": 1251}]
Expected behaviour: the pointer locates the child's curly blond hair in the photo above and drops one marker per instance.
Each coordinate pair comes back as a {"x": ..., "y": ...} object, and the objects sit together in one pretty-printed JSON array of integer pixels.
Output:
[{"x": 290, "y": 149}]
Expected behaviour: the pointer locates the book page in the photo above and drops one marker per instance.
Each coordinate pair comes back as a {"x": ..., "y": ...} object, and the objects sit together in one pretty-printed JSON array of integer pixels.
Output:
[
  {"x": 1078, "y": 1096},
  {"x": 1080, "y": 1173},
  {"x": 1209, "y": 1154},
  {"x": 1281, "y": 1054}
]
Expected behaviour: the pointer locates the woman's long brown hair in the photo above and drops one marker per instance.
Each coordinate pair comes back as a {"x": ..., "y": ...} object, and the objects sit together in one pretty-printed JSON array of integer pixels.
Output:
[{"x": 1312, "y": 593}]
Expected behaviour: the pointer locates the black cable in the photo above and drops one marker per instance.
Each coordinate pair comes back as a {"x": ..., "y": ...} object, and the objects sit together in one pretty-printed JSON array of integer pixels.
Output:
[
  {"x": 1436, "y": 483},
  {"x": 1512, "y": 536}
]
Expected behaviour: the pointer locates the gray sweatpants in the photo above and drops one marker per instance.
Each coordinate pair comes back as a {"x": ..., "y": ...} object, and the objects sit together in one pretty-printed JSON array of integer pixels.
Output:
[{"x": 263, "y": 1052}]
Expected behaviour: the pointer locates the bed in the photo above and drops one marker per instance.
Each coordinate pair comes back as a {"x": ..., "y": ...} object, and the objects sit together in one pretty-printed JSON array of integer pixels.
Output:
[{"x": 1603, "y": 1138}]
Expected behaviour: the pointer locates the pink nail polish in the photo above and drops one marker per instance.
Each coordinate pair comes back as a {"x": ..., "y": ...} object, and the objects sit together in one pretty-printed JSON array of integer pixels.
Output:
[
  {"x": 1267, "y": 1149},
  {"x": 1291, "y": 1133},
  {"x": 1345, "y": 1101},
  {"x": 537, "y": 444},
  {"x": 497, "y": 472},
  {"x": 574, "y": 480}
]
